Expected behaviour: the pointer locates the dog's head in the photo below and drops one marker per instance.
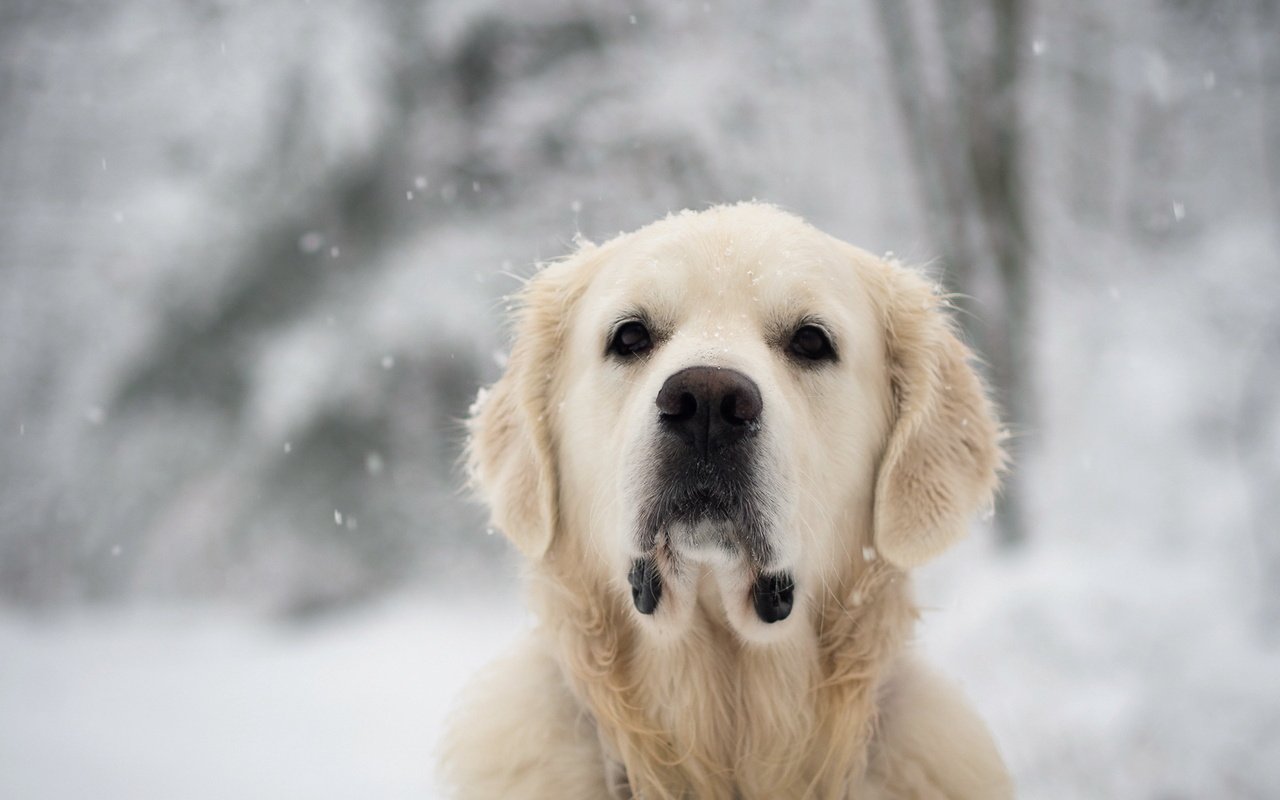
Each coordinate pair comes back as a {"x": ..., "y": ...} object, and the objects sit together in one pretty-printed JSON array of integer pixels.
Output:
[{"x": 733, "y": 400}]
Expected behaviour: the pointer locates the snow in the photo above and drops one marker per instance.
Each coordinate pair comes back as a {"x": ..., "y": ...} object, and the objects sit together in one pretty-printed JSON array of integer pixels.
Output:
[
  {"x": 1091, "y": 689},
  {"x": 1105, "y": 672},
  {"x": 201, "y": 704}
]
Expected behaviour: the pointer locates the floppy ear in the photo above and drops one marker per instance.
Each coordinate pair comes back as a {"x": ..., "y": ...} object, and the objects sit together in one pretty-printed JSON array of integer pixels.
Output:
[
  {"x": 943, "y": 456},
  {"x": 510, "y": 451}
]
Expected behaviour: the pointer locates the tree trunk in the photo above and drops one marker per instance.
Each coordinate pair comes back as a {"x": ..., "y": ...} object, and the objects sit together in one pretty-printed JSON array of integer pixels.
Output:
[
  {"x": 1090, "y": 157},
  {"x": 967, "y": 152}
]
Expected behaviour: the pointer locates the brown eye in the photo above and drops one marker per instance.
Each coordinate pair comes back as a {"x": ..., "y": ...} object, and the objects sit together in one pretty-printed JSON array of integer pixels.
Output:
[
  {"x": 811, "y": 342},
  {"x": 631, "y": 339}
]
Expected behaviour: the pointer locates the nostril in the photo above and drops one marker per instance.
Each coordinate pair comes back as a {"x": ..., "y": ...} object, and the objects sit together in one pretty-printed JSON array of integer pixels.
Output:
[
  {"x": 677, "y": 406},
  {"x": 688, "y": 406},
  {"x": 729, "y": 410},
  {"x": 740, "y": 408}
]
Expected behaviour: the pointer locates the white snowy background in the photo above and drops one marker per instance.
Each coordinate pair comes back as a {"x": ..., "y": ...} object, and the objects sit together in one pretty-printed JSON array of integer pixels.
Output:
[{"x": 252, "y": 260}]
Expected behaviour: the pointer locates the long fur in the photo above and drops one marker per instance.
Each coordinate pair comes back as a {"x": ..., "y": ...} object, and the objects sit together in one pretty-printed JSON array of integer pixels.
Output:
[{"x": 591, "y": 707}]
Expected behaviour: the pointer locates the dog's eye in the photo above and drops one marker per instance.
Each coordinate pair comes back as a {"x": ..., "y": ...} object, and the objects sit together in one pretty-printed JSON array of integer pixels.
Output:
[
  {"x": 631, "y": 339},
  {"x": 811, "y": 342}
]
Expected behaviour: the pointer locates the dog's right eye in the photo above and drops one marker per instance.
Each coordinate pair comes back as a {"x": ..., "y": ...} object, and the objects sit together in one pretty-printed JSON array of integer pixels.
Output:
[
  {"x": 812, "y": 343},
  {"x": 631, "y": 339}
]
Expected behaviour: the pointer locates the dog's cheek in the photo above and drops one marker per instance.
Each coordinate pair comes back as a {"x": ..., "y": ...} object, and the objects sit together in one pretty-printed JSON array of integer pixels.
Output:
[
  {"x": 833, "y": 461},
  {"x": 633, "y": 473},
  {"x": 592, "y": 471},
  {"x": 790, "y": 455}
]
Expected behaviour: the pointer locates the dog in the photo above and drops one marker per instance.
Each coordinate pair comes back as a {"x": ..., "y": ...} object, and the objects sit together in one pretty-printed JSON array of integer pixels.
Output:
[{"x": 721, "y": 442}]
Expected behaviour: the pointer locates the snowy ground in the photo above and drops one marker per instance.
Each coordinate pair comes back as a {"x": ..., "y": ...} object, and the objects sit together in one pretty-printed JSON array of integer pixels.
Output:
[
  {"x": 1093, "y": 690},
  {"x": 204, "y": 705},
  {"x": 1108, "y": 673}
]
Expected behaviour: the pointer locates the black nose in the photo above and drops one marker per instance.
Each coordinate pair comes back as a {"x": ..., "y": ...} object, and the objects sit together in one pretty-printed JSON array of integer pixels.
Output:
[{"x": 710, "y": 407}]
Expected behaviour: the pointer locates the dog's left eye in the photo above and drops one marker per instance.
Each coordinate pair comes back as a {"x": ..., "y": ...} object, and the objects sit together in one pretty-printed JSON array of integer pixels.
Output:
[
  {"x": 631, "y": 339},
  {"x": 811, "y": 342}
]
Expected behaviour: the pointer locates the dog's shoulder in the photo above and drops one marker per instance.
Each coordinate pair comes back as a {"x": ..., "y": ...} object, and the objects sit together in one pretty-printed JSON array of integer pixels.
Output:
[
  {"x": 518, "y": 731},
  {"x": 930, "y": 742}
]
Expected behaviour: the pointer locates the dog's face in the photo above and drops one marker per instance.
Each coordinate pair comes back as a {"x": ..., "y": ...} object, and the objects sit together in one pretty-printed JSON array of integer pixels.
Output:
[
  {"x": 727, "y": 403},
  {"x": 713, "y": 404}
]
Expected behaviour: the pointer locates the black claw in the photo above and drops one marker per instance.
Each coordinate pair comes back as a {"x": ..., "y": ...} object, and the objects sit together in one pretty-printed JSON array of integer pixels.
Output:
[
  {"x": 646, "y": 585},
  {"x": 774, "y": 595}
]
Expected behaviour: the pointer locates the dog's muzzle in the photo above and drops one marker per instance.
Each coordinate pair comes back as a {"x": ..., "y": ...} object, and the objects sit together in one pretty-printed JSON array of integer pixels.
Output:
[{"x": 703, "y": 492}]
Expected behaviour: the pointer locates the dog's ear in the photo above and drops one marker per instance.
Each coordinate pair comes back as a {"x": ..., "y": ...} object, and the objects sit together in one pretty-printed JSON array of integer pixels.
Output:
[
  {"x": 943, "y": 455},
  {"x": 511, "y": 448}
]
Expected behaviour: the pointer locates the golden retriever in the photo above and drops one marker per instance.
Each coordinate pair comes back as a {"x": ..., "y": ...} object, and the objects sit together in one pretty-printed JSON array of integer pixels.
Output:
[{"x": 720, "y": 443}]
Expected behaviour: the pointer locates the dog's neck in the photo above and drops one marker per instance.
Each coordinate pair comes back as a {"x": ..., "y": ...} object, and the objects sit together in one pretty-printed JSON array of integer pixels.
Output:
[{"x": 704, "y": 714}]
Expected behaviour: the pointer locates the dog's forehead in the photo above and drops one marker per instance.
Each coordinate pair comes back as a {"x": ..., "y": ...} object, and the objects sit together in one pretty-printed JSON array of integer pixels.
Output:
[{"x": 728, "y": 269}]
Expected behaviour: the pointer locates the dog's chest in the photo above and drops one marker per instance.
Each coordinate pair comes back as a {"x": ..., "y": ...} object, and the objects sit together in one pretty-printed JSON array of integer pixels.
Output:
[{"x": 745, "y": 716}]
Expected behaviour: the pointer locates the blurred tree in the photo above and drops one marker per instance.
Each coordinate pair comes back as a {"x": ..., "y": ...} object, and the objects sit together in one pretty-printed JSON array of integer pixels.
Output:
[
  {"x": 1268, "y": 32},
  {"x": 1258, "y": 420},
  {"x": 1092, "y": 98},
  {"x": 962, "y": 132},
  {"x": 241, "y": 274}
]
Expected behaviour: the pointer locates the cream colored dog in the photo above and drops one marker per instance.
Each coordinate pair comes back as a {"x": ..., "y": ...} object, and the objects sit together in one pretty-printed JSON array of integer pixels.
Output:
[{"x": 721, "y": 441}]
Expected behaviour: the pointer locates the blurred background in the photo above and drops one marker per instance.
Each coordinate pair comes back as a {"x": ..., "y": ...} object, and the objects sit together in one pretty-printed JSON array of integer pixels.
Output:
[{"x": 253, "y": 260}]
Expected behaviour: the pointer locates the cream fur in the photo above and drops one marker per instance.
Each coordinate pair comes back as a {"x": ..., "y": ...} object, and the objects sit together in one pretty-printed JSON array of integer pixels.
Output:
[{"x": 875, "y": 465}]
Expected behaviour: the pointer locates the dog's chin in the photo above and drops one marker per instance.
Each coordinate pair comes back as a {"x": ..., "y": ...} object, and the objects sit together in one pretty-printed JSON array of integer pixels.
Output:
[
  {"x": 708, "y": 539},
  {"x": 703, "y": 556}
]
